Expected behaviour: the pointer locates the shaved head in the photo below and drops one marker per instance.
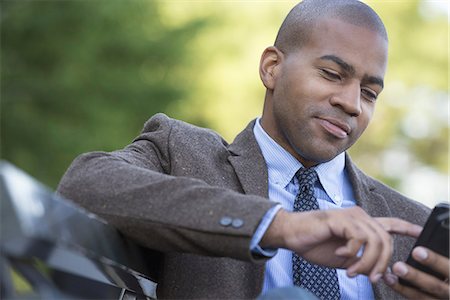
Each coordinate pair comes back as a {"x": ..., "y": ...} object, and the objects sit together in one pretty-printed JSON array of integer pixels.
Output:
[{"x": 296, "y": 28}]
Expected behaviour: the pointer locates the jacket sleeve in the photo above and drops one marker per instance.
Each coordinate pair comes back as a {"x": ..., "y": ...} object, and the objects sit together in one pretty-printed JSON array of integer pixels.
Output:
[{"x": 131, "y": 189}]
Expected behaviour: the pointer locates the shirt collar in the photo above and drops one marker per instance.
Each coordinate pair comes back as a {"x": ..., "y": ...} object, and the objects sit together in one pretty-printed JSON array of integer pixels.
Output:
[
  {"x": 331, "y": 175},
  {"x": 282, "y": 166}
]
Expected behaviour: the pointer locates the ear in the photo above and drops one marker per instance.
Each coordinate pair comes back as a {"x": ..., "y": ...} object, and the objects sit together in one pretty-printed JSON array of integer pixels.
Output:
[{"x": 269, "y": 66}]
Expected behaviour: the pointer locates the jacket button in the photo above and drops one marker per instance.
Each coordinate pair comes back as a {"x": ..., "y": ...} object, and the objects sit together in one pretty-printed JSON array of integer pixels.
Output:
[
  {"x": 237, "y": 223},
  {"x": 226, "y": 221}
]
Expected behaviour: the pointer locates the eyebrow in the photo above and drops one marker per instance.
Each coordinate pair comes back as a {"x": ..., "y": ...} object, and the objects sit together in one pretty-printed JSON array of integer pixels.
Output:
[
  {"x": 345, "y": 66},
  {"x": 351, "y": 70},
  {"x": 374, "y": 80}
]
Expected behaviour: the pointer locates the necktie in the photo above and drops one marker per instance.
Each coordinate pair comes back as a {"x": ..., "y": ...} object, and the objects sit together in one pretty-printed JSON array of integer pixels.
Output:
[{"x": 321, "y": 281}]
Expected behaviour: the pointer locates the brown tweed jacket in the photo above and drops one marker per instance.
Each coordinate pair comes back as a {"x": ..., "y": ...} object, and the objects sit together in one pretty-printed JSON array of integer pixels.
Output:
[{"x": 170, "y": 189}]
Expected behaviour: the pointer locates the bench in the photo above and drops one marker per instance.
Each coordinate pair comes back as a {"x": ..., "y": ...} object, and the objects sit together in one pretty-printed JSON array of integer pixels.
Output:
[{"x": 57, "y": 250}]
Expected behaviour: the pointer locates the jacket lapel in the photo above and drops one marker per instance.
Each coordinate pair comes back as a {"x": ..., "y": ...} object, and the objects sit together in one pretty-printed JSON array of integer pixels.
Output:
[
  {"x": 248, "y": 163},
  {"x": 365, "y": 193},
  {"x": 375, "y": 205}
]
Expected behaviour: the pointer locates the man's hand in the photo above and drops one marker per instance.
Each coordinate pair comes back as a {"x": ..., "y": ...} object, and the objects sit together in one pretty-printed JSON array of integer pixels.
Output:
[
  {"x": 333, "y": 238},
  {"x": 428, "y": 287}
]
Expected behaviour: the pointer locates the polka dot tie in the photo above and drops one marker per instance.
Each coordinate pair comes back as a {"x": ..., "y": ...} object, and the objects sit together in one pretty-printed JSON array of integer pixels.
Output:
[{"x": 321, "y": 281}]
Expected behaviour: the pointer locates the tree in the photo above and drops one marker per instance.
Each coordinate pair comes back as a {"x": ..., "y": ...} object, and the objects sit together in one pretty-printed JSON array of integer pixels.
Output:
[{"x": 85, "y": 75}]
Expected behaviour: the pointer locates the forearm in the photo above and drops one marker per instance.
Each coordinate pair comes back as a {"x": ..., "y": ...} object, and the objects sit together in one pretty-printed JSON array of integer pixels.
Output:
[{"x": 164, "y": 212}]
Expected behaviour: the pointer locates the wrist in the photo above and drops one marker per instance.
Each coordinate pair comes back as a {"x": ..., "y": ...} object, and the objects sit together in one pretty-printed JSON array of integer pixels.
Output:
[
  {"x": 276, "y": 232},
  {"x": 296, "y": 231}
]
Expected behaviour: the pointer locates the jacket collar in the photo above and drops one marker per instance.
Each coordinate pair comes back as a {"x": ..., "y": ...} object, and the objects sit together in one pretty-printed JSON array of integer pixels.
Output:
[
  {"x": 251, "y": 169},
  {"x": 248, "y": 163}
]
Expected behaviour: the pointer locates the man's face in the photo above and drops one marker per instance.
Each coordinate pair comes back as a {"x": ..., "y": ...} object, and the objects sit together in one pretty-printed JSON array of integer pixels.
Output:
[{"x": 323, "y": 94}]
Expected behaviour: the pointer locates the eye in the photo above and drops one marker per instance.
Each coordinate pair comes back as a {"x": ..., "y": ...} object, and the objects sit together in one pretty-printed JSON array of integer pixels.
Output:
[
  {"x": 330, "y": 75},
  {"x": 369, "y": 94}
]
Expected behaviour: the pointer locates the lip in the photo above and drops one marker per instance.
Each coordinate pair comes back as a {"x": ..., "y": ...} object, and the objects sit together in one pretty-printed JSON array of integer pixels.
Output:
[{"x": 335, "y": 127}]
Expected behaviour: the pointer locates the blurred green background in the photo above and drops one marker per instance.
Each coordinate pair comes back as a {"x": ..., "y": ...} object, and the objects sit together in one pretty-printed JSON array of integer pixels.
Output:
[{"x": 78, "y": 76}]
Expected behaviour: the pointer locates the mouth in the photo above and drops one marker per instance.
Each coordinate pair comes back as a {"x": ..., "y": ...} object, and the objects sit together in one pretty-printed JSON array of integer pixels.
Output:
[{"x": 335, "y": 127}]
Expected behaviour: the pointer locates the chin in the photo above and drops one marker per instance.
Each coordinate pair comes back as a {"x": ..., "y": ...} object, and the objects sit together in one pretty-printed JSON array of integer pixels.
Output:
[{"x": 322, "y": 156}]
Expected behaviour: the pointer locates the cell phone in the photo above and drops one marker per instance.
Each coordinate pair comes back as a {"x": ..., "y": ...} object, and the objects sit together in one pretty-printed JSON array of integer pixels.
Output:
[{"x": 434, "y": 236}]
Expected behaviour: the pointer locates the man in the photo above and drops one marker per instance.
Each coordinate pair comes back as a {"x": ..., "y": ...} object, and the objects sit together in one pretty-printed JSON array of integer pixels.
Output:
[{"x": 204, "y": 204}]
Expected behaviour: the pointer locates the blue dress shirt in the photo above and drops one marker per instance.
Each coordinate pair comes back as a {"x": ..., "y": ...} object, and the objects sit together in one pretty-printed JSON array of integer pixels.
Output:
[{"x": 333, "y": 191}]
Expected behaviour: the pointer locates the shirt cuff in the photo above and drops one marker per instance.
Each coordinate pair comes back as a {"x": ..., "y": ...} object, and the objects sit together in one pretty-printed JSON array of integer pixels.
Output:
[{"x": 255, "y": 248}]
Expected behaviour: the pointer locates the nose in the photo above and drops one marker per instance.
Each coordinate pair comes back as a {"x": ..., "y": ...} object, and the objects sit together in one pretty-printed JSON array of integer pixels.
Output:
[{"x": 348, "y": 98}]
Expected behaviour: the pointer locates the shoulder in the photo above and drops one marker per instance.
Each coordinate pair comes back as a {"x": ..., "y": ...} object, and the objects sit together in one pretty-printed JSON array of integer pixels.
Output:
[{"x": 179, "y": 130}]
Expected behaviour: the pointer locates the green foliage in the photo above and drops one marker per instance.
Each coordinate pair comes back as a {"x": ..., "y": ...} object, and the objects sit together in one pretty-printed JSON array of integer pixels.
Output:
[
  {"x": 406, "y": 145},
  {"x": 84, "y": 75}
]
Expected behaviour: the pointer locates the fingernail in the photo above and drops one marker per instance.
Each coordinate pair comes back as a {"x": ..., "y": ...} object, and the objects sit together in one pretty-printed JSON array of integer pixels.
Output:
[
  {"x": 390, "y": 279},
  {"x": 420, "y": 253},
  {"x": 376, "y": 278},
  {"x": 400, "y": 269}
]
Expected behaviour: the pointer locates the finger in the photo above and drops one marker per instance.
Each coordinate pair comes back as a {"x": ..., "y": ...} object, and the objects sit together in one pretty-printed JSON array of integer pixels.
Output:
[
  {"x": 350, "y": 249},
  {"x": 394, "y": 225},
  {"x": 423, "y": 281},
  {"x": 376, "y": 255},
  {"x": 379, "y": 247},
  {"x": 385, "y": 251},
  {"x": 426, "y": 257},
  {"x": 408, "y": 292},
  {"x": 356, "y": 235}
]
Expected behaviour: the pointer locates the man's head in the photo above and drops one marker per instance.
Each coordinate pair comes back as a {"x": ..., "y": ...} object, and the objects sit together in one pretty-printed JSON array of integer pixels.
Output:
[
  {"x": 323, "y": 77},
  {"x": 298, "y": 24}
]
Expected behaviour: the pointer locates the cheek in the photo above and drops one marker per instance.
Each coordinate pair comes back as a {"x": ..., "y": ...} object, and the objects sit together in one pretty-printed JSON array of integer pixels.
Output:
[
  {"x": 365, "y": 118},
  {"x": 300, "y": 84}
]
